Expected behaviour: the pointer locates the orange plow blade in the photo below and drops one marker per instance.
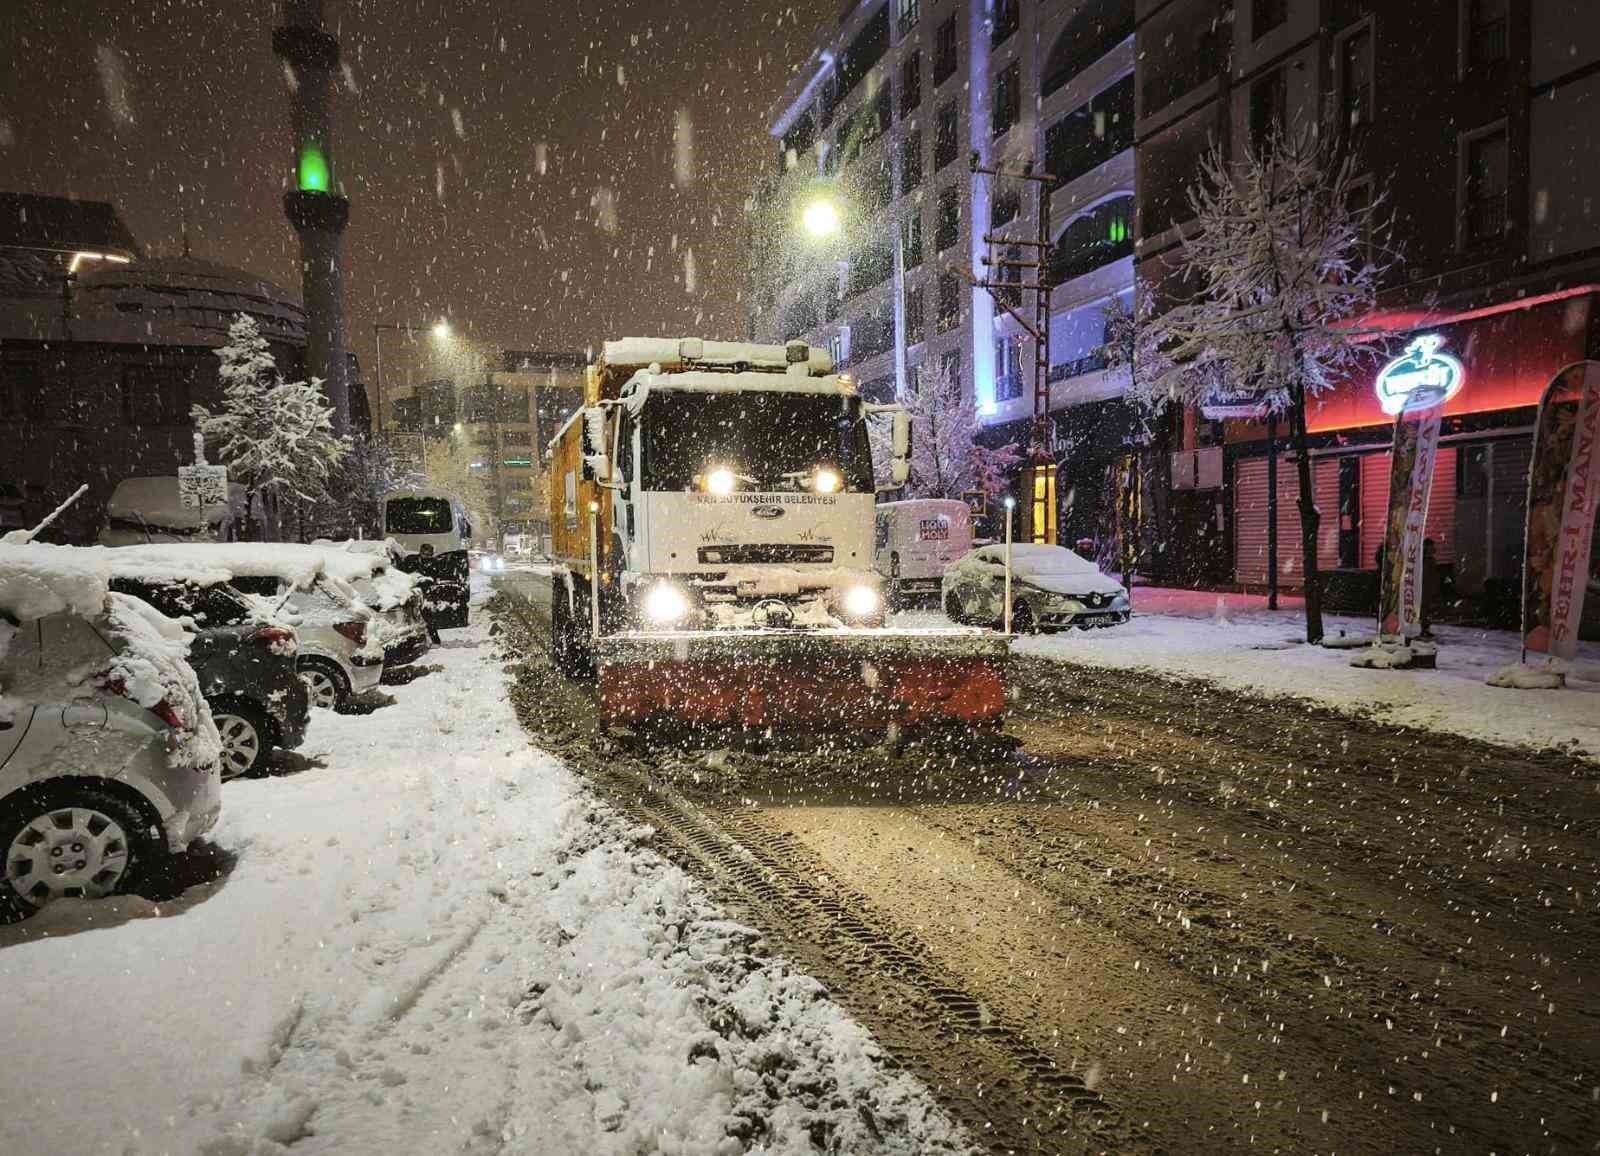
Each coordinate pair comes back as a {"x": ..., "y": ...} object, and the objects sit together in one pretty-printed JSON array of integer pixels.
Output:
[{"x": 810, "y": 680}]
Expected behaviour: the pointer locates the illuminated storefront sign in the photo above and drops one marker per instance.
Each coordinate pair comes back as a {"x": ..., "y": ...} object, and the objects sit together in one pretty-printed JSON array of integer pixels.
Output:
[{"x": 1421, "y": 379}]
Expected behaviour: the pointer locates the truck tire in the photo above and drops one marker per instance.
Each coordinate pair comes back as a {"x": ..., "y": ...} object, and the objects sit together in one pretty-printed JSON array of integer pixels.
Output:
[{"x": 569, "y": 643}]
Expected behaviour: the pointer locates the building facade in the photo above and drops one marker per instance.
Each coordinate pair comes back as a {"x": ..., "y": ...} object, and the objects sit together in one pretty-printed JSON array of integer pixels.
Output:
[
  {"x": 1472, "y": 119},
  {"x": 882, "y": 125}
]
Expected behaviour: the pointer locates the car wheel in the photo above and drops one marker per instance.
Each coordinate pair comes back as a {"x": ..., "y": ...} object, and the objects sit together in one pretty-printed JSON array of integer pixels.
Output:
[
  {"x": 326, "y": 684},
  {"x": 952, "y": 607},
  {"x": 70, "y": 843},
  {"x": 1022, "y": 619},
  {"x": 246, "y": 738}
]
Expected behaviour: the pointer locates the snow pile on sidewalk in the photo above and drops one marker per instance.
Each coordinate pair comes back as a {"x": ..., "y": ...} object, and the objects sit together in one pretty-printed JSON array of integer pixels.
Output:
[
  {"x": 432, "y": 940},
  {"x": 1238, "y": 643}
]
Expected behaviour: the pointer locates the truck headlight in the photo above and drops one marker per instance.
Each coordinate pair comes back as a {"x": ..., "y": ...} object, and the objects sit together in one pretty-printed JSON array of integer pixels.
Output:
[
  {"x": 665, "y": 603},
  {"x": 827, "y": 481},
  {"x": 860, "y": 601}
]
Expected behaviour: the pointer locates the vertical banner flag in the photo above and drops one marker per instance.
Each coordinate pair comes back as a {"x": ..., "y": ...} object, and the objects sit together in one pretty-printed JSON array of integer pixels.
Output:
[
  {"x": 1413, "y": 388},
  {"x": 1563, "y": 495}
]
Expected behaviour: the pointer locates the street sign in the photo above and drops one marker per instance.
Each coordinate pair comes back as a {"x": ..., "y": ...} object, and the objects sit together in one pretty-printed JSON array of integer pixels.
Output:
[{"x": 202, "y": 486}]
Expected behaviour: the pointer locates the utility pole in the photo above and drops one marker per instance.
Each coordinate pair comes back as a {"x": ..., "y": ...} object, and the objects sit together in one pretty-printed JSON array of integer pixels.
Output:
[
  {"x": 314, "y": 206},
  {"x": 1041, "y": 447}
]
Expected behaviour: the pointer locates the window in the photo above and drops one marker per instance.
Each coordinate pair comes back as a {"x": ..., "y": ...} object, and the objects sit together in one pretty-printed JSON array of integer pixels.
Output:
[
  {"x": 911, "y": 161},
  {"x": 1007, "y": 98},
  {"x": 1007, "y": 369},
  {"x": 154, "y": 395},
  {"x": 1487, "y": 22},
  {"x": 911, "y": 82},
  {"x": 916, "y": 315},
  {"x": 1004, "y": 208},
  {"x": 1007, "y": 15},
  {"x": 1269, "y": 99},
  {"x": 871, "y": 265},
  {"x": 865, "y": 50},
  {"x": 944, "y": 52},
  {"x": 947, "y": 227},
  {"x": 879, "y": 391},
  {"x": 1094, "y": 30},
  {"x": 1091, "y": 134},
  {"x": 1355, "y": 77},
  {"x": 1265, "y": 15},
  {"x": 1010, "y": 274},
  {"x": 946, "y": 135},
  {"x": 880, "y": 115},
  {"x": 1487, "y": 179},
  {"x": 1095, "y": 239},
  {"x": 876, "y": 182},
  {"x": 949, "y": 302},
  {"x": 911, "y": 238},
  {"x": 910, "y": 13}
]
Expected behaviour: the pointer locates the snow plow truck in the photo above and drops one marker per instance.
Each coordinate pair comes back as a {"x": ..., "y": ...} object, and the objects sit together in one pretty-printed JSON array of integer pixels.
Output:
[{"x": 711, "y": 512}]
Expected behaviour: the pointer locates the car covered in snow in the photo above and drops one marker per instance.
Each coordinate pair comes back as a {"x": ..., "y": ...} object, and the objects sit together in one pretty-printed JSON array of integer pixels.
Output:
[
  {"x": 1051, "y": 589},
  {"x": 245, "y": 662},
  {"x": 109, "y": 759},
  {"x": 149, "y": 510}
]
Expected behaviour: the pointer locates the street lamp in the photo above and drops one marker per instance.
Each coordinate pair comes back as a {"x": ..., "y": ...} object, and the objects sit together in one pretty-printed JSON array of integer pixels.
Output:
[
  {"x": 821, "y": 219},
  {"x": 441, "y": 332}
]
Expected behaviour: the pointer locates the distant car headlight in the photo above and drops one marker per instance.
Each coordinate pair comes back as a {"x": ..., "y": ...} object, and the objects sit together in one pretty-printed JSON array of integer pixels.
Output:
[
  {"x": 861, "y": 601},
  {"x": 665, "y": 603},
  {"x": 827, "y": 482}
]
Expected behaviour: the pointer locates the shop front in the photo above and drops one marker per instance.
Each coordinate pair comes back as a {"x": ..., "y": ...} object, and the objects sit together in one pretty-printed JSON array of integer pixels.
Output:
[{"x": 1490, "y": 365}]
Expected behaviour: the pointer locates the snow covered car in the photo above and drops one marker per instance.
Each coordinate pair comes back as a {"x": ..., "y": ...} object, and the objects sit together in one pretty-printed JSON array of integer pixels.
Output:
[
  {"x": 109, "y": 760},
  {"x": 1051, "y": 589},
  {"x": 245, "y": 664},
  {"x": 148, "y": 510}
]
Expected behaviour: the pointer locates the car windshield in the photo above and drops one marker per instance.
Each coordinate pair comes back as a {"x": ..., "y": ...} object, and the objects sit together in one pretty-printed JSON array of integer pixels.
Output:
[
  {"x": 418, "y": 516},
  {"x": 208, "y": 605},
  {"x": 771, "y": 440},
  {"x": 1048, "y": 560}
]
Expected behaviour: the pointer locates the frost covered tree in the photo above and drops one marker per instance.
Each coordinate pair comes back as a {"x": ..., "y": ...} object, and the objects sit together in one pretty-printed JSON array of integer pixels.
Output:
[
  {"x": 275, "y": 436},
  {"x": 1282, "y": 259},
  {"x": 945, "y": 460}
]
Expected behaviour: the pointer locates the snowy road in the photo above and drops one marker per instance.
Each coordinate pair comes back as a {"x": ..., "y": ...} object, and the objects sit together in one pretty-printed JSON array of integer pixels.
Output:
[
  {"x": 426, "y": 937},
  {"x": 1187, "y": 919}
]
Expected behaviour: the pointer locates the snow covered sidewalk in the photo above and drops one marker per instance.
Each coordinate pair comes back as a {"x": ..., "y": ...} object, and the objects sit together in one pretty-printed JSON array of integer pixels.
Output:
[
  {"x": 432, "y": 940},
  {"x": 1234, "y": 641}
]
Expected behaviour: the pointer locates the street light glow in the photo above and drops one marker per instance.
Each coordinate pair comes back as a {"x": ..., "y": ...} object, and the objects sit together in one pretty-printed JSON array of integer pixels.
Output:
[
  {"x": 442, "y": 331},
  {"x": 821, "y": 219}
]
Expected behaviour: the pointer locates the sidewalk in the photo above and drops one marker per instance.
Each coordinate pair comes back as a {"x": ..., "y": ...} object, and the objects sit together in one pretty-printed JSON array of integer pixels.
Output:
[{"x": 1234, "y": 641}]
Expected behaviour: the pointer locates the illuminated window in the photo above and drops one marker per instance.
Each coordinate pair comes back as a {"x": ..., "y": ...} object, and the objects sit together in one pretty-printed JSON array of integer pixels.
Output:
[{"x": 1040, "y": 482}]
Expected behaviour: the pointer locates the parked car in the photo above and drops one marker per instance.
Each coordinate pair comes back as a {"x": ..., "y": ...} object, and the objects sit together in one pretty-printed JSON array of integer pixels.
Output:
[
  {"x": 916, "y": 540},
  {"x": 245, "y": 664},
  {"x": 109, "y": 761},
  {"x": 1051, "y": 589},
  {"x": 433, "y": 534},
  {"x": 148, "y": 510}
]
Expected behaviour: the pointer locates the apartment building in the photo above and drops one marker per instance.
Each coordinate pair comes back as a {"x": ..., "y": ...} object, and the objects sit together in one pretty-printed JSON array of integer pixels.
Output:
[
  {"x": 507, "y": 422},
  {"x": 879, "y": 128},
  {"x": 1474, "y": 119}
]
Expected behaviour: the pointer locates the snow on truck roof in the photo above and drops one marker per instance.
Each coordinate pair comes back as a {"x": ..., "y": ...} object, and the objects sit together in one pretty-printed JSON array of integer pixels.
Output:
[{"x": 683, "y": 352}]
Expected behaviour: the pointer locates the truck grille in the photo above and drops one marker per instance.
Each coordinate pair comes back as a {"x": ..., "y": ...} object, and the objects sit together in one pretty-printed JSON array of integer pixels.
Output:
[{"x": 756, "y": 555}]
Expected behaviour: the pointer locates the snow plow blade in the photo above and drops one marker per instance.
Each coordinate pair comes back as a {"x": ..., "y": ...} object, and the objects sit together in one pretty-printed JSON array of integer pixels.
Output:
[{"x": 823, "y": 680}]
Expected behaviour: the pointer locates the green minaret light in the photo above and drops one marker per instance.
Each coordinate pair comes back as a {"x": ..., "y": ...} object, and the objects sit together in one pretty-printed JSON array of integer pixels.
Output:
[{"x": 313, "y": 169}]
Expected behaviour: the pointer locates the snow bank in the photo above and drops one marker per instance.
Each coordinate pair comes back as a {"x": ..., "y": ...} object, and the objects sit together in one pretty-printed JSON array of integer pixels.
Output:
[{"x": 1176, "y": 632}]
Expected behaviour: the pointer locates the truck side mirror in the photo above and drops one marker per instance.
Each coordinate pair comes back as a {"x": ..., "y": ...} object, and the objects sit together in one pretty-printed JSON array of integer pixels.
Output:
[
  {"x": 596, "y": 463},
  {"x": 900, "y": 464}
]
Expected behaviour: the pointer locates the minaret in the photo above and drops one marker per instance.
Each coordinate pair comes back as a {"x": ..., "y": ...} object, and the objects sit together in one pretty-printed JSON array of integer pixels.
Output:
[{"x": 314, "y": 206}]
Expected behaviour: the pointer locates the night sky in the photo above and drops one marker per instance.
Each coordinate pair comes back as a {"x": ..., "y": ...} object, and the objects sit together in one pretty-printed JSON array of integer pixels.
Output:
[{"x": 447, "y": 110}]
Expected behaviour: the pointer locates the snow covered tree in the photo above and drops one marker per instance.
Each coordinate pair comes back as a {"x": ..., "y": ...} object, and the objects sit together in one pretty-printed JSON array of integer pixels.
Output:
[
  {"x": 275, "y": 436},
  {"x": 945, "y": 461},
  {"x": 1282, "y": 256}
]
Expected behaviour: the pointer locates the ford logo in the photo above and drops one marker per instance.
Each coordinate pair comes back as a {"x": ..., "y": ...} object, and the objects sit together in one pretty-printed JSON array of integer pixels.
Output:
[{"x": 767, "y": 511}]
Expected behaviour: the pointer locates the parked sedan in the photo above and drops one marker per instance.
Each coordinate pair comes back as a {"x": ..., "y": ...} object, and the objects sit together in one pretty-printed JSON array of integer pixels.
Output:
[
  {"x": 246, "y": 666},
  {"x": 1051, "y": 589},
  {"x": 108, "y": 756}
]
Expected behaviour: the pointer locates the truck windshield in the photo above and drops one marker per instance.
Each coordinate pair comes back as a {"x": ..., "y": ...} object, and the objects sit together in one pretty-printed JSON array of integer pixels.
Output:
[
  {"x": 418, "y": 516},
  {"x": 774, "y": 440}
]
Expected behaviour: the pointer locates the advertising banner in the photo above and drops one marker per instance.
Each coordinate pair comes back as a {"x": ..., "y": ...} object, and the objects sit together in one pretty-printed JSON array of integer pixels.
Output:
[
  {"x": 1416, "y": 450},
  {"x": 1563, "y": 494}
]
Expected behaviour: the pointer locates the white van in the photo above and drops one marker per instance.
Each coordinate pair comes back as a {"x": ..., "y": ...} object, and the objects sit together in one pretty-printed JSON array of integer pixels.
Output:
[
  {"x": 916, "y": 540},
  {"x": 432, "y": 531}
]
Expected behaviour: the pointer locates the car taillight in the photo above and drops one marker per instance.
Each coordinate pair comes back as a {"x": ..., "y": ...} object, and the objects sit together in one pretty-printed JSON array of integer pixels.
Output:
[
  {"x": 277, "y": 639},
  {"x": 163, "y": 710},
  {"x": 356, "y": 632}
]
